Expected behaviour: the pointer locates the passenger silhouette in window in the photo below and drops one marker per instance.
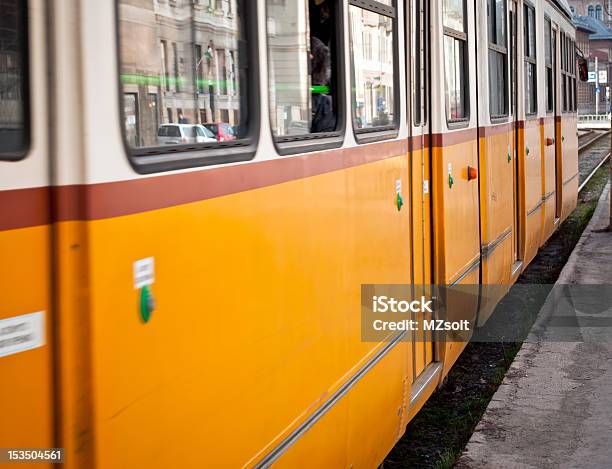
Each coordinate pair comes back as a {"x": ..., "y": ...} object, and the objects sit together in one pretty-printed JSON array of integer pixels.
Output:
[{"x": 323, "y": 116}]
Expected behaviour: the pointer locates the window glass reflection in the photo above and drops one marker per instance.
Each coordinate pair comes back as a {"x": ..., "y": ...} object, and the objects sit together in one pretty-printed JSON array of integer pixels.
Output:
[
  {"x": 302, "y": 75},
  {"x": 453, "y": 14},
  {"x": 13, "y": 83},
  {"x": 372, "y": 62},
  {"x": 181, "y": 67},
  {"x": 456, "y": 106}
]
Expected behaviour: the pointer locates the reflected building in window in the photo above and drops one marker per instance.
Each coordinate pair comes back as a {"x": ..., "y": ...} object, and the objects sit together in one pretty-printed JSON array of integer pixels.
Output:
[
  {"x": 179, "y": 64},
  {"x": 372, "y": 55},
  {"x": 13, "y": 72},
  {"x": 289, "y": 74}
]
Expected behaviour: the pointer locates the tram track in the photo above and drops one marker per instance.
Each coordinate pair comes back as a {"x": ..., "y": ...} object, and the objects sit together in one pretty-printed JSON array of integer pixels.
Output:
[
  {"x": 592, "y": 155},
  {"x": 592, "y": 136},
  {"x": 584, "y": 135}
]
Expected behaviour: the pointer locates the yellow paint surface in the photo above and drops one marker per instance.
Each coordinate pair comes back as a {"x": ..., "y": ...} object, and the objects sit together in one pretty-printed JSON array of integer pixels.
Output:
[
  {"x": 257, "y": 320},
  {"x": 26, "y": 399}
]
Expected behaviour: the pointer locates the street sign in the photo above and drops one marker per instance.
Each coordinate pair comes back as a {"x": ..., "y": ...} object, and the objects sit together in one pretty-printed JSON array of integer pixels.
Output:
[
  {"x": 603, "y": 76},
  {"x": 598, "y": 90},
  {"x": 592, "y": 77}
]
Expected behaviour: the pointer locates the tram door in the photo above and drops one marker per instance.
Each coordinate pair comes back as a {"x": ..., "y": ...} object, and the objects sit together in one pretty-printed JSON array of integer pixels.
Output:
[
  {"x": 513, "y": 150},
  {"x": 556, "y": 112},
  {"x": 420, "y": 158},
  {"x": 26, "y": 378}
]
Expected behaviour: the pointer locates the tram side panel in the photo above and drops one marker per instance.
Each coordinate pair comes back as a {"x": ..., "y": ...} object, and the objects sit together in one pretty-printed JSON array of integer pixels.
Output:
[
  {"x": 549, "y": 181},
  {"x": 456, "y": 224},
  {"x": 361, "y": 429},
  {"x": 569, "y": 145},
  {"x": 421, "y": 241},
  {"x": 532, "y": 186},
  {"x": 258, "y": 303},
  {"x": 497, "y": 213}
]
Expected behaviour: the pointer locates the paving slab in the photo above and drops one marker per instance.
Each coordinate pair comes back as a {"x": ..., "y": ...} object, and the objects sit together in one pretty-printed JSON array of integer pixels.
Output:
[{"x": 554, "y": 407}]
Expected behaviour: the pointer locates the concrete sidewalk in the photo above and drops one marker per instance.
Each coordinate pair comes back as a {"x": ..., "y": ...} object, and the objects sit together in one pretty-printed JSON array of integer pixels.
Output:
[{"x": 554, "y": 407}]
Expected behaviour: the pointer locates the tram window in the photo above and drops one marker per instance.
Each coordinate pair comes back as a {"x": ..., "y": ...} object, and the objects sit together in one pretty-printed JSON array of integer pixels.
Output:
[
  {"x": 183, "y": 63},
  {"x": 531, "y": 102},
  {"x": 549, "y": 67},
  {"x": 498, "y": 58},
  {"x": 418, "y": 62},
  {"x": 572, "y": 75},
  {"x": 372, "y": 39},
  {"x": 455, "y": 61},
  {"x": 14, "y": 104},
  {"x": 421, "y": 67},
  {"x": 303, "y": 72},
  {"x": 563, "y": 72}
]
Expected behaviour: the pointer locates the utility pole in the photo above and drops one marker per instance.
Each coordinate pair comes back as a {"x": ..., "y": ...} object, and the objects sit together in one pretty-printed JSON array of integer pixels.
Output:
[{"x": 596, "y": 87}]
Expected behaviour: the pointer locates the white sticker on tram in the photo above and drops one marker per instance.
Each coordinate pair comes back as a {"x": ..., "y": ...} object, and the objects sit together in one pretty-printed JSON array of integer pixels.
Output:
[
  {"x": 398, "y": 186},
  {"x": 21, "y": 333},
  {"x": 144, "y": 272}
]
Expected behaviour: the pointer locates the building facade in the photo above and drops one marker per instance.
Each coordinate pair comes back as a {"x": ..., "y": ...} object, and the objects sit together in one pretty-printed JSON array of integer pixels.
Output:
[
  {"x": 594, "y": 43},
  {"x": 593, "y": 8}
]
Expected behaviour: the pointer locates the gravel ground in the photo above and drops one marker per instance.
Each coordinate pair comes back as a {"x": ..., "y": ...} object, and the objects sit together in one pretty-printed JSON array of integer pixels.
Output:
[{"x": 440, "y": 431}]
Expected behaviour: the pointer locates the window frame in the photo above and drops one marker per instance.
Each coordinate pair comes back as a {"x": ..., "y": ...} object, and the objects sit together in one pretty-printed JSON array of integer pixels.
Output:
[
  {"x": 293, "y": 144},
  {"x": 571, "y": 73},
  {"x": 549, "y": 66},
  {"x": 421, "y": 118},
  {"x": 460, "y": 36},
  {"x": 568, "y": 74},
  {"x": 494, "y": 47},
  {"x": 157, "y": 159},
  {"x": 24, "y": 45},
  {"x": 528, "y": 59},
  {"x": 387, "y": 132},
  {"x": 563, "y": 67}
]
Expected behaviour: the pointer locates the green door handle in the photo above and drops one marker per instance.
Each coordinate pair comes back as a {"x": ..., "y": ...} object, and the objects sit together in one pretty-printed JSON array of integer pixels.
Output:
[{"x": 147, "y": 304}]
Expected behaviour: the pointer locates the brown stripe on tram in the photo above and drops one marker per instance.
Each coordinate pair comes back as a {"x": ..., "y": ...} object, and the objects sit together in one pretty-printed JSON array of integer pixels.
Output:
[
  {"x": 529, "y": 123},
  {"x": 454, "y": 137},
  {"x": 496, "y": 129},
  {"x": 30, "y": 207},
  {"x": 417, "y": 142},
  {"x": 23, "y": 208}
]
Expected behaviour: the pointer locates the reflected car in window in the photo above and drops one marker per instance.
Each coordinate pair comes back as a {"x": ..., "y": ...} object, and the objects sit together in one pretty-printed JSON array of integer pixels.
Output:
[
  {"x": 177, "y": 134},
  {"x": 222, "y": 131}
]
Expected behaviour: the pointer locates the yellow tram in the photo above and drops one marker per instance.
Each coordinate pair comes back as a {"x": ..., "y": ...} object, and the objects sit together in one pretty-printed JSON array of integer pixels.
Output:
[{"x": 193, "y": 192}]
